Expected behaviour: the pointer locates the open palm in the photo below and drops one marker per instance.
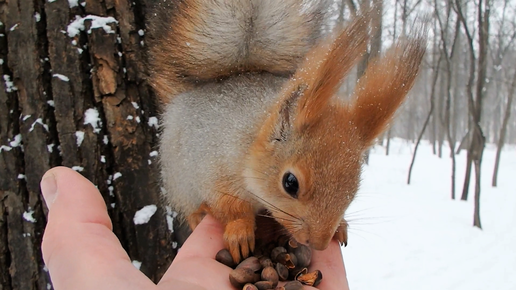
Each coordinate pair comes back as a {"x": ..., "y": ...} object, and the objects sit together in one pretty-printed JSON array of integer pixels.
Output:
[{"x": 81, "y": 251}]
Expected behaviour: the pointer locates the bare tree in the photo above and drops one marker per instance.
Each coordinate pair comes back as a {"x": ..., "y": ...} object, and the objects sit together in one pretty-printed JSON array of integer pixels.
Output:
[
  {"x": 437, "y": 58},
  {"x": 503, "y": 130},
  {"x": 477, "y": 144},
  {"x": 504, "y": 42},
  {"x": 448, "y": 55}
]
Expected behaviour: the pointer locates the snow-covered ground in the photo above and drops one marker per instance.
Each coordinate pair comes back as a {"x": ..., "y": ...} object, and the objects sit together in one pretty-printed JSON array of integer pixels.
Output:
[{"x": 415, "y": 237}]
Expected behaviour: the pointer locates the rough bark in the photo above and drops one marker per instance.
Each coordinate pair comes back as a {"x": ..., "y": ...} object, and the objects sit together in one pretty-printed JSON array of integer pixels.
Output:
[{"x": 53, "y": 81}]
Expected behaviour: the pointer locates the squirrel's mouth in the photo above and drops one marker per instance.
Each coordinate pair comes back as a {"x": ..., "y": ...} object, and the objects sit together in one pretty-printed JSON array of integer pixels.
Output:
[{"x": 268, "y": 228}]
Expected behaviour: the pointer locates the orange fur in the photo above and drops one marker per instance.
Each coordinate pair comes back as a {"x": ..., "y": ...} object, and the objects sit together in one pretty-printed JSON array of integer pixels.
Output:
[
  {"x": 205, "y": 41},
  {"x": 196, "y": 217},
  {"x": 308, "y": 132},
  {"x": 383, "y": 87},
  {"x": 321, "y": 140},
  {"x": 238, "y": 218},
  {"x": 342, "y": 233},
  {"x": 320, "y": 76},
  {"x": 326, "y": 159}
]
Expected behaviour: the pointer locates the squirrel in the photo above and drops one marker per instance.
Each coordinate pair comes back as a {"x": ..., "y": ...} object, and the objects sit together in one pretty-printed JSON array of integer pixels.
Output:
[{"x": 251, "y": 120}]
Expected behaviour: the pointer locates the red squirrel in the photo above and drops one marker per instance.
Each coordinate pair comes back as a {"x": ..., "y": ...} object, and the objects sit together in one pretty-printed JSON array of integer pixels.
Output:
[{"x": 251, "y": 120}]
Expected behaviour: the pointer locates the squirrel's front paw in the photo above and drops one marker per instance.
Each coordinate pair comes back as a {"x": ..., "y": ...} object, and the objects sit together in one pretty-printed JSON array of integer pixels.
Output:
[
  {"x": 341, "y": 234},
  {"x": 239, "y": 238}
]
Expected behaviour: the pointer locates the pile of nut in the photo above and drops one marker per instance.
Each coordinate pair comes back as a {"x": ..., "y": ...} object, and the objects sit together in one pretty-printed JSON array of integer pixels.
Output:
[{"x": 281, "y": 260}]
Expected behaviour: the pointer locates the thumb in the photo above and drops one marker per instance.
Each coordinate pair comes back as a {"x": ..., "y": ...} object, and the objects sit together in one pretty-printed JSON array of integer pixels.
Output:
[
  {"x": 331, "y": 264},
  {"x": 79, "y": 248}
]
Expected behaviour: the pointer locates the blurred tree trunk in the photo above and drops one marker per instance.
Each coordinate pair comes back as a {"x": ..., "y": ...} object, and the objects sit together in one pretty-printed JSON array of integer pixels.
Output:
[
  {"x": 503, "y": 130},
  {"x": 436, "y": 64},
  {"x": 78, "y": 99},
  {"x": 504, "y": 46},
  {"x": 428, "y": 116},
  {"x": 448, "y": 52},
  {"x": 476, "y": 147},
  {"x": 471, "y": 105}
]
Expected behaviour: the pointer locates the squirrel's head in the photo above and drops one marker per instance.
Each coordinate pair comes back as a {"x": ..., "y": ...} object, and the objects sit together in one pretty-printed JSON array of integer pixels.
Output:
[{"x": 304, "y": 166}]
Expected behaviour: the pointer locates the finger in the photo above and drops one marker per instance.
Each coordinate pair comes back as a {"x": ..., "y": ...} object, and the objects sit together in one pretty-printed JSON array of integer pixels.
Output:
[
  {"x": 206, "y": 236},
  {"x": 202, "y": 272},
  {"x": 196, "y": 259},
  {"x": 79, "y": 248},
  {"x": 331, "y": 265}
]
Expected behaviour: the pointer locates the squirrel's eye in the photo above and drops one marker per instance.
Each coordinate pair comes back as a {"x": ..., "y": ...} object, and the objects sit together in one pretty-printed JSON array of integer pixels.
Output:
[{"x": 290, "y": 184}]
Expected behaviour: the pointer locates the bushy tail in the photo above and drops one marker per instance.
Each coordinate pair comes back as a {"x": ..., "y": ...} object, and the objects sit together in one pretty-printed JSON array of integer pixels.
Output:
[{"x": 196, "y": 41}]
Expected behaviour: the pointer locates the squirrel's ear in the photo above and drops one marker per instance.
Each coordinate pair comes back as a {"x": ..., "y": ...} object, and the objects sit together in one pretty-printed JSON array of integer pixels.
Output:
[
  {"x": 321, "y": 74},
  {"x": 286, "y": 113},
  {"x": 384, "y": 85}
]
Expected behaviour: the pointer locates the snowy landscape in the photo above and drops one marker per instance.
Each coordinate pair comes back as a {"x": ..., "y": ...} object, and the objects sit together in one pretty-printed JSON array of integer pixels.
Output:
[{"x": 415, "y": 237}]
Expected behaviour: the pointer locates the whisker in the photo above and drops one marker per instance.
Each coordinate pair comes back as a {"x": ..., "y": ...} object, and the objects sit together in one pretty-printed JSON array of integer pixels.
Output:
[
  {"x": 273, "y": 206},
  {"x": 276, "y": 218},
  {"x": 355, "y": 230},
  {"x": 359, "y": 210},
  {"x": 266, "y": 202},
  {"x": 256, "y": 171},
  {"x": 370, "y": 219},
  {"x": 360, "y": 236},
  {"x": 295, "y": 220},
  {"x": 277, "y": 231}
]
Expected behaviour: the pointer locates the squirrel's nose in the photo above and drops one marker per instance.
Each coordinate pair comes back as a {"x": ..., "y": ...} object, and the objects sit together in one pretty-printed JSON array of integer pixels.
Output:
[
  {"x": 302, "y": 237},
  {"x": 319, "y": 241},
  {"x": 319, "y": 245}
]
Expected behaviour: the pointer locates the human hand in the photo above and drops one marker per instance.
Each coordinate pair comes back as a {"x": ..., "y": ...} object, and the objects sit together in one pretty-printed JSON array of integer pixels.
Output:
[{"x": 81, "y": 251}]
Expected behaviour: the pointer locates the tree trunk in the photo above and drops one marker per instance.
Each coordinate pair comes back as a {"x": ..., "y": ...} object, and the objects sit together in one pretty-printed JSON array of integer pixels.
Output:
[
  {"x": 388, "y": 144},
  {"x": 432, "y": 105},
  {"x": 503, "y": 130},
  {"x": 471, "y": 103},
  {"x": 441, "y": 112},
  {"x": 479, "y": 143},
  {"x": 476, "y": 147},
  {"x": 467, "y": 178},
  {"x": 464, "y": 142},
  {"x": 78, "y": 99},
  {"x": 448, "y": 55},
  {"x": 434, "y": 134}
]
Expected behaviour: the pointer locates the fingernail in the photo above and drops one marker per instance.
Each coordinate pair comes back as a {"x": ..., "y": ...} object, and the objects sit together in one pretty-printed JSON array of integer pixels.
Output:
[{"x": 49, "y": 188}]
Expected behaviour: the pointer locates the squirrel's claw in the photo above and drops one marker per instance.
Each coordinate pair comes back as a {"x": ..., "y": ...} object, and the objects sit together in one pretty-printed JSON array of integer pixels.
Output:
[
  {"x": 239, "y": 239},
  {"x": 341, "y": 234}
]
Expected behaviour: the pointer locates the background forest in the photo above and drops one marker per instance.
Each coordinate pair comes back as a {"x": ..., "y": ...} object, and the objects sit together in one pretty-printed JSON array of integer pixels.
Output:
[{"x": 76, "y": 94}]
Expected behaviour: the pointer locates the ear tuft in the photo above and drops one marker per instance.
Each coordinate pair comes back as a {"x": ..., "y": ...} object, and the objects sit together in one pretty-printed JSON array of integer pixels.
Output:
[
  {"x": 385, "y": 84},
  {"x": 321, "y": 74}
]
